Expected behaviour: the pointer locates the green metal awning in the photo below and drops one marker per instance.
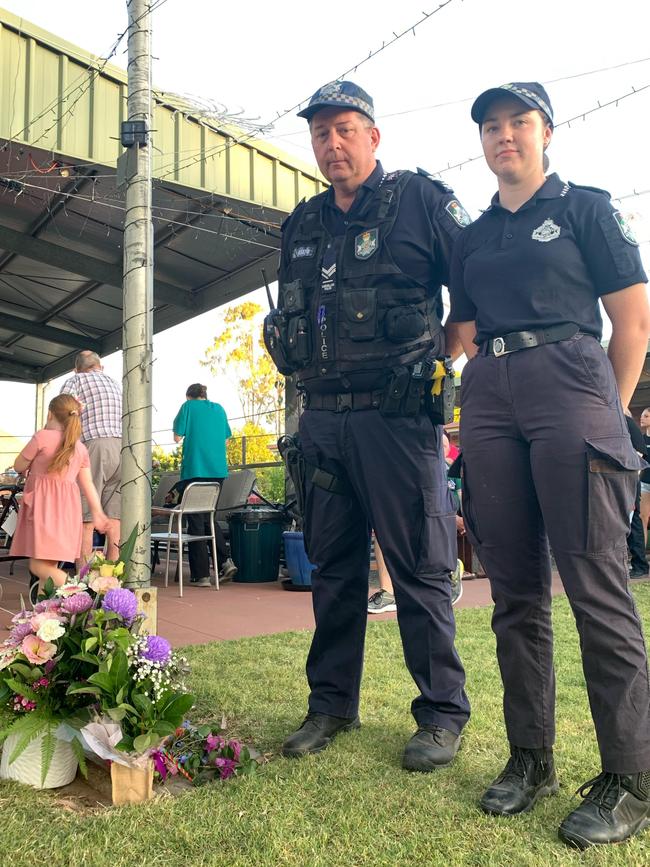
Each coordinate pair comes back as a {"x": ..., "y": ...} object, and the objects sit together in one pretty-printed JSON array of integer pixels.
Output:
[{"x": 219, "y": 199}]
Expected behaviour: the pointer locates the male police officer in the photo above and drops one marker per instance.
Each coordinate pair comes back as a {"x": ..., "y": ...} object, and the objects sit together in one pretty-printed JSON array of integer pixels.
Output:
[{"x": 359, "y": 320}]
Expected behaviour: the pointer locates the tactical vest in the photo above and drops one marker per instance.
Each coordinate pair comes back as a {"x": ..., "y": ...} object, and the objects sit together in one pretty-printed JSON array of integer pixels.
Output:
[{"x": 352, "y": 331}]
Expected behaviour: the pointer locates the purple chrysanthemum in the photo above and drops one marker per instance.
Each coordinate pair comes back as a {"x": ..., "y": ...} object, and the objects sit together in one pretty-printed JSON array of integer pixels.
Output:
[
  {"x": 157, "y": 649},
  {"x": 78, "y": 603},
  {"x": 20, "y": 630},
  {"x": 121, "y": 601}
]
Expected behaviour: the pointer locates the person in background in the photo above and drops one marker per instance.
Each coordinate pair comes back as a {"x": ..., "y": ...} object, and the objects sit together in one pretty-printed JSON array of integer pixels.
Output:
[
  {"x": 639, "y": 567},
  {"x": 548, "y": 458},
  {"x": 203, "y": 428},
  {"x": 644, "y": 505},
  {"x": 101, "y": 432},
  {"x": 49, "y": 528}
]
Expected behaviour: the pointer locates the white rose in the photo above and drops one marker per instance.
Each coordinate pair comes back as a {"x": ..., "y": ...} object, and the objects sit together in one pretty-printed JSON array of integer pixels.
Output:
[{"x": 50, "y": 630}]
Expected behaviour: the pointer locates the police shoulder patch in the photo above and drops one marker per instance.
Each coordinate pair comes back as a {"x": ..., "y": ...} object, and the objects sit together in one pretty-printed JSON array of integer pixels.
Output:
[
  {"x": 626, "y": 230},
  {"x": 458, "y": 213},
  {"x": 442, "y": 185},
  {"x": 591, "y": 189}
]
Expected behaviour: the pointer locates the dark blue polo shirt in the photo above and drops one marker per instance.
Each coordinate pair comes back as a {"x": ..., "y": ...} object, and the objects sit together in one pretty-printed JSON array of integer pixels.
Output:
[
  {"x": 543, "y": 265},
  {"x": 423, "y": 235}
]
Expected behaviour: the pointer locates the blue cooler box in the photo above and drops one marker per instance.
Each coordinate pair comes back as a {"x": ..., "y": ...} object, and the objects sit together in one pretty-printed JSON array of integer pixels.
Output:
[{"x": 298, "y": 565}]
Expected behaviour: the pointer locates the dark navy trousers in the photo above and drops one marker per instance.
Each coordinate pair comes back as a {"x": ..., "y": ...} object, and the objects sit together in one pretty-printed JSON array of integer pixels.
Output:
[
  {"x": 548, "y": 457},
  {"x": 397, "y": 485}
]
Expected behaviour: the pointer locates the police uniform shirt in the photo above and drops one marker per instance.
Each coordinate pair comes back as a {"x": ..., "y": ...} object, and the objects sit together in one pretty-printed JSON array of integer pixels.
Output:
[
  {"x": 423, "y": 235},
  {"x": 545, "y": 264}
]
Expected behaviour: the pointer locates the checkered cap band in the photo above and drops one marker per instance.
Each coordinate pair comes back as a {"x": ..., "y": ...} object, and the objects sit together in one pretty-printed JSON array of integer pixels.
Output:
[
  {"x": 340, "y": 94},
  {"x": 529, "y": 94}
]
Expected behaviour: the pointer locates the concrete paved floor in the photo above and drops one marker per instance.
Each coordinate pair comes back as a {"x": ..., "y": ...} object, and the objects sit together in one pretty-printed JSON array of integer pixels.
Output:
[{"x": 235, "y": 611}]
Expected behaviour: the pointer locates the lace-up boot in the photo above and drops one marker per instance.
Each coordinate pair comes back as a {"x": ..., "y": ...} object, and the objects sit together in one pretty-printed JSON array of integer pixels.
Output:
[
  {"x": 528, "y": 776},
  {"x": 615, "y": 807},
  {"x": 316, "y": 733},
  {"x": 430, "y": 747}
]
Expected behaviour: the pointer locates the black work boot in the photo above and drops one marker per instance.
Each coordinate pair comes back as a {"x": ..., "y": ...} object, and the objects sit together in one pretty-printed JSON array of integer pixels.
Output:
[
  {"x": 615, "y": 807},
  {"x": 316, "y": 733},
  {"x": 528, "y": 776},
  {"x": 430, "y": 747}
]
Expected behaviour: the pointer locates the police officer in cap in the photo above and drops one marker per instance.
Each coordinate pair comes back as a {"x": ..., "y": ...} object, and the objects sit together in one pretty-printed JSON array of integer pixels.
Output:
[
  {"x": 548, "y": 457},
  {"x": 360, "y": 304}
]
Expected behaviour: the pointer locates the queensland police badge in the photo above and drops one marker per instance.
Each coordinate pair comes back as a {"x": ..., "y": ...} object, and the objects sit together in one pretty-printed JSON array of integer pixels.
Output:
[
  {"x": 548, "y": 231},
  {"x": 366, "y": 244},
  {"x": 626, "y": 229},
  {"x": 458, "y": 213}
]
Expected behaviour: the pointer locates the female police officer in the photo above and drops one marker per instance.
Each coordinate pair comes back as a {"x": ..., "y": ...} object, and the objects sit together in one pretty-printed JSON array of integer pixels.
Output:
[{"x": 547, "y": 455}]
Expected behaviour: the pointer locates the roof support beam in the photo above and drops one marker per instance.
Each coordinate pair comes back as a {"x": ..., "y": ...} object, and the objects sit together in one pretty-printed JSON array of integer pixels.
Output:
[
  {"x": 84, "y": 266},
  {"x": 48, "y": 332}
]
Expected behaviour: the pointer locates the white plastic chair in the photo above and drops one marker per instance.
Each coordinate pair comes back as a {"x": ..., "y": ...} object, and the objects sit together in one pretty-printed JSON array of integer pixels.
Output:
[{"x": 198, "y": 498}]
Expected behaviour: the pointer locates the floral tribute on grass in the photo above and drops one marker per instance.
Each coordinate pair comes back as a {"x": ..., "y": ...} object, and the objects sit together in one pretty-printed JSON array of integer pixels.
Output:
[
  {"x": 201, "y": 754},
  {"x": 78, "y": 658}
]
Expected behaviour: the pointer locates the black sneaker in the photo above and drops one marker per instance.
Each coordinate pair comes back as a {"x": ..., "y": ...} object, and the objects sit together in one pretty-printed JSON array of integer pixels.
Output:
[
  {"x": 615, "y": 807},
  {"x": 430, "y": 747},
  {"x": 638, "y": 573},
  {"x": 316, "y": 734},
  {"x": 33, "y": 589},
  {"x": 381, "y": 602},
  {"x": 528, "y": 776}
]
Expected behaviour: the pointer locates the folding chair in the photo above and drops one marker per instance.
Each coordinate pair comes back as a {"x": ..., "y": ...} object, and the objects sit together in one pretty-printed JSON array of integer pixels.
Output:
[
  {"x": 198, "y": 497},
  {"x": 160, "y": 514}
]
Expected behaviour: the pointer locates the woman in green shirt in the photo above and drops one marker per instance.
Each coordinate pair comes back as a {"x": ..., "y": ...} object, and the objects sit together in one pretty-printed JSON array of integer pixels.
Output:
[{"x": 203, "y": 427}]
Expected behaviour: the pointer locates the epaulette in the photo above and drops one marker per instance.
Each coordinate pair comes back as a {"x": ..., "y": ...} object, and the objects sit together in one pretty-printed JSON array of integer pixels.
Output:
[
  {"x": 442, "y": 185},
  {"x": 591, "y": 189}
]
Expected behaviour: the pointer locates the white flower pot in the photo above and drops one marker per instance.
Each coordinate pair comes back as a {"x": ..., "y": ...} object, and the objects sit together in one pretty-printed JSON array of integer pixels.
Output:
[{"x": 27, "y": 767}]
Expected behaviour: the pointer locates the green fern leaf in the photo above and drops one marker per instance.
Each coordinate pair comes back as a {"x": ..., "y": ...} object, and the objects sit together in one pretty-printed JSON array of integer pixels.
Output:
[{"x": 48, "y": 745}]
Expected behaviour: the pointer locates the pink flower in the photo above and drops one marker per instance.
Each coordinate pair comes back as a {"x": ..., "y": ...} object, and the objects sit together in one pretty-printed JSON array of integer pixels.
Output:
[
  {"x": 226, "y": 767},
  {"x": 70, "y": 589},
  {"x": 214, "y": 742},
  {"x": 77, "y": 604},
  {"x": 36, "y": 650},
  {"x": 235, "y": 746},
  {"x": 47, "y": 605},
  {"x": 39, "y": 619},
  {"x": 103, "y": 583}
]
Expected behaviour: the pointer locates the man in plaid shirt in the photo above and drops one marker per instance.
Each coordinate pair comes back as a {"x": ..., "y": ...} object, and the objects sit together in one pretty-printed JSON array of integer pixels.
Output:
[{"x": 101, "y": 433}]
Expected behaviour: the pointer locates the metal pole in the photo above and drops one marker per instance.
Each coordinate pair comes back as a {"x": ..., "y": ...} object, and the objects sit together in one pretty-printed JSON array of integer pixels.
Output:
[{"x": 138, "y": 296}]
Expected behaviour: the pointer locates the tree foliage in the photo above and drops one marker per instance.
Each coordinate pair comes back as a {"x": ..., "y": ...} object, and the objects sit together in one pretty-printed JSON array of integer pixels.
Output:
[{"x": 238, "y": 351}]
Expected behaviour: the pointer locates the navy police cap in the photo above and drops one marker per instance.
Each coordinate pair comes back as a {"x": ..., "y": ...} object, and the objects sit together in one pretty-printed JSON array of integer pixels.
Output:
[
  {"x": 340, "y": 94},
  {"x": 531, "y": 93}
]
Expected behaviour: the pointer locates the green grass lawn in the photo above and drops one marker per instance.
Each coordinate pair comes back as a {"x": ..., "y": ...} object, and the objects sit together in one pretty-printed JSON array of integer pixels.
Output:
[{"x": 351, "y": 805}]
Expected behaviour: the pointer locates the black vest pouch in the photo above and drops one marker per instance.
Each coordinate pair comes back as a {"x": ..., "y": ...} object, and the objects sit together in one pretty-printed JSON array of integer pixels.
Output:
[
  {"x": 360, "y": 310},
  {"x": 404, "y": 323},
  {"x": 275, "y": 340},
  {"x": 299, "y": 340}
]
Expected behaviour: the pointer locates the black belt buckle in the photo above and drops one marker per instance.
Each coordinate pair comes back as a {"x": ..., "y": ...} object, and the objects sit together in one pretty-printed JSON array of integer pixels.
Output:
[{"x": 499, "y": 347}]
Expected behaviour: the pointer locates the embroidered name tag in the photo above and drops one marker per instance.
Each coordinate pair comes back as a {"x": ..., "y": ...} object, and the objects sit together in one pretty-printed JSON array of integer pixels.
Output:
[{"x": 304, "y": 251}]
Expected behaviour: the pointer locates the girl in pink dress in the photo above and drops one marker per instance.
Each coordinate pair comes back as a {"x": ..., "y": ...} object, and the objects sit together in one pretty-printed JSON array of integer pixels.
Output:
[{"x": 49, "y": 520}]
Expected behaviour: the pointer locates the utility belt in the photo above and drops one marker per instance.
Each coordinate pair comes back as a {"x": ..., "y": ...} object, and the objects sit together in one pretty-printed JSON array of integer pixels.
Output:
[
  {"x": 516, "y": 340},
  {"x": 427, "y": 385}
]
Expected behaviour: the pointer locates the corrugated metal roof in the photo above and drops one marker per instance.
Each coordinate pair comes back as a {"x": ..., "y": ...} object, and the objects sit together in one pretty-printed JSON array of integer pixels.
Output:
[{"x": 219, "y": 199}]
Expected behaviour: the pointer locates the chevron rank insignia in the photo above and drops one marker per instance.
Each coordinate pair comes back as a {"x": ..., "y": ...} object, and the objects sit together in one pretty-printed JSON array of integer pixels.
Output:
[{"x": 365, "y": 244}]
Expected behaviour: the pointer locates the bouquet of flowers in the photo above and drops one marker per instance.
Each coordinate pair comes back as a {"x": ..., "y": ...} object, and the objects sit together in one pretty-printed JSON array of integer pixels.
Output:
[
  {"x": 140, "y": 686},
  {"x": 46, "y": 660},
  {"x": 201, "y": 754}
]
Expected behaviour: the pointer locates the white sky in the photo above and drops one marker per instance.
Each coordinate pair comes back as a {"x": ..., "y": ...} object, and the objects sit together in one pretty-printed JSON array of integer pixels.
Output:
[{"x": 259, "y": 58}]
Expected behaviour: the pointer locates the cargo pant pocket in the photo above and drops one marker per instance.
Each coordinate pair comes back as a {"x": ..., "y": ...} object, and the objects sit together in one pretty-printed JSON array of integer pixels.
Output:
[
  {"x": 437, "y": 539},
  {"x": 612, "y": 471}
]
